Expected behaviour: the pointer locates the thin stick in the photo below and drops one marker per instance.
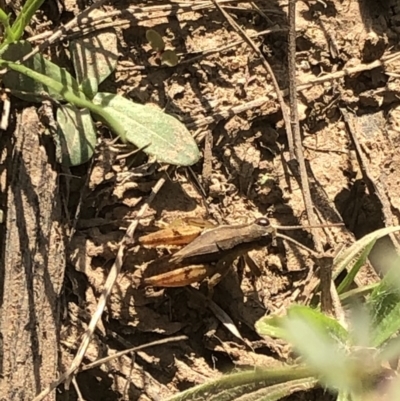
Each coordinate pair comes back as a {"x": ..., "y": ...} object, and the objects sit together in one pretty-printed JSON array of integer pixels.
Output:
[
  {"x": 294, "y": 122},
  {"x": 325, "y": 278},
  {"x": 346, "y": 72},
  {"x": 5, "y": 114},
  {"x": 300, "y": 245},
  {"x": 324, "y": 263},
  {"x": 133, "y": 349},
  {"x": 294, "y": 116},
  {"x": 78, "y": 391}
]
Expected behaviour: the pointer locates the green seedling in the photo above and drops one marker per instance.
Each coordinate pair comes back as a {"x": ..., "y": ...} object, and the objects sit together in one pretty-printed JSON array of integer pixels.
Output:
[{"x": 167, "y": 57}]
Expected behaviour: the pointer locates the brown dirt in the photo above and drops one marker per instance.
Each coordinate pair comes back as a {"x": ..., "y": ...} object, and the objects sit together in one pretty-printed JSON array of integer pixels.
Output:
[{"x": 246, "y": 177}]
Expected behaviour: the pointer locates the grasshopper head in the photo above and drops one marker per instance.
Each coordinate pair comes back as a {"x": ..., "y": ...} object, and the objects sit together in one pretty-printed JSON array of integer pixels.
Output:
[{"x": 263, "y": 226}]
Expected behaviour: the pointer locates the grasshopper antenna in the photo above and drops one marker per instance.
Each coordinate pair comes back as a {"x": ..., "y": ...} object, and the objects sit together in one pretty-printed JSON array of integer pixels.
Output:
[{"x": 309, "y": 226}]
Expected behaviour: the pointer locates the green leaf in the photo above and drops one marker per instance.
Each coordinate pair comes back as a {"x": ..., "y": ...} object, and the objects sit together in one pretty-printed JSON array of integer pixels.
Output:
[
  {"x": 24, "y": 17},
  {"x": 8, "y": 32},
  {"x": 321, "y": 341},
  {"x": 169, "y": 58},
  {"x": 319, "y": 323},
  {"x": 355, "y": 256},
  {"x": 275, "y": 326},
  {"x": 323, "y": 344},
  {"x": 94, "y": 58},
  {"x": 157, "y": 133},
  {"x": 155, "y": 39},
  {"x": 266, "y": 377},
  {"x": 22, "y": 83},
  {"x": 77, "y": 135},
  {"x": 280, "y": 391},
  {"x": 384, "y": 307},
  {"x": 271, "y": 326},
  {"x": 261, "y": 391}
]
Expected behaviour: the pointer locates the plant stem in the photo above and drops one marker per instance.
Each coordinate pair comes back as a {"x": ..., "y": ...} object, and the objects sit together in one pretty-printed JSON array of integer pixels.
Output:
[{"x": 71, "y": 95}]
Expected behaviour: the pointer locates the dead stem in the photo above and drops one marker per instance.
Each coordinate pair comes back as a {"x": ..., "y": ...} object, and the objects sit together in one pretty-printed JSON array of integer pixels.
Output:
[{"x": 294, "y": 123}]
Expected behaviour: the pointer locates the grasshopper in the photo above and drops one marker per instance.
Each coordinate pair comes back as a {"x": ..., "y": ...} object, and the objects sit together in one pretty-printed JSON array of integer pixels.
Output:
[{"x": 221, "y": 246}]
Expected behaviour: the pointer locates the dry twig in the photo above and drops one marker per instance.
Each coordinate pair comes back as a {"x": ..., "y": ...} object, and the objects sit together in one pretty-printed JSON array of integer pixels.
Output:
[{"x": 294, "y": 122}]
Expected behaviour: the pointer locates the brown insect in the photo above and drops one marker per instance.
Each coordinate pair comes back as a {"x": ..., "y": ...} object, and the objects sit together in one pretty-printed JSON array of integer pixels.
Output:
[{"x": 209, "y": 255}]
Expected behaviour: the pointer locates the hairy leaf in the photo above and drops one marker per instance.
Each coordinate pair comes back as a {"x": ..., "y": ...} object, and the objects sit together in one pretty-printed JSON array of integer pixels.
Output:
[{"x": 152, "y": 130}]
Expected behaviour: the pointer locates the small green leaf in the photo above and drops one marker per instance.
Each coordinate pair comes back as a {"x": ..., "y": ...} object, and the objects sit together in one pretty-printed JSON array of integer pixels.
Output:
[
  {"x": 275, "y": 326},
  {"x": 147, "y": 127},
  {"x": 155, "y": 39},
  {"x": 22, "y": 83},
  {"x": 94, "y": 58},
  {"x": 169, "y": 58},
  {"x": 77, "y": 135}
]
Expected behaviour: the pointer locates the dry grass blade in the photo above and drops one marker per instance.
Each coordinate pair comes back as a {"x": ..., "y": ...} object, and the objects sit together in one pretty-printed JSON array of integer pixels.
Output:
[{"x": 133, "y": 349}]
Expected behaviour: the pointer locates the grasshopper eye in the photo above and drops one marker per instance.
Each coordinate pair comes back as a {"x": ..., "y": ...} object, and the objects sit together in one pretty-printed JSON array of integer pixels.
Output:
[{"x": 263, "y": 221}]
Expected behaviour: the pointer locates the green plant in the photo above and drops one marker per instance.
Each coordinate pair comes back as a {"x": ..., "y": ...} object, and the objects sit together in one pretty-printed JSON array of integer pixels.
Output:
[
  {"x": 94, "y": 59},
  {"x": 14, "y": 32},
  {"x": 349, "y": 357},
  {"x": 167, "y": 57}
]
